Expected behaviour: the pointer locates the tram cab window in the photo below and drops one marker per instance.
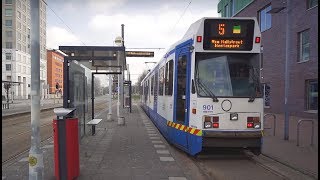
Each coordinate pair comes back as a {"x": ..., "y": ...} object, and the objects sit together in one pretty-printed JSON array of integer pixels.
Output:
[{"x": 228, "y": 75}]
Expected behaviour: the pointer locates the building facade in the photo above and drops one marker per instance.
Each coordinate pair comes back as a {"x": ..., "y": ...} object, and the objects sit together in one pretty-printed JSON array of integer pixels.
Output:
[
  {"x": 303, "y": 62},
  {"x": 55, "y": 71},
  {"x": 16, "y": 47}
]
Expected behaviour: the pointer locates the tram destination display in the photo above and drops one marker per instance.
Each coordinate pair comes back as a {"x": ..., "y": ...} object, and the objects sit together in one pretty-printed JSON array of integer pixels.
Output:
[{"x": 228, "y": 34}]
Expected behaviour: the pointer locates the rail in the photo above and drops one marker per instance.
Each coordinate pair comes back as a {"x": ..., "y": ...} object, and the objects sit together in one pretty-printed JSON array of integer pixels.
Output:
[
  {"x": 274, "y": 122},
  {"x": 298, "y": 129}
]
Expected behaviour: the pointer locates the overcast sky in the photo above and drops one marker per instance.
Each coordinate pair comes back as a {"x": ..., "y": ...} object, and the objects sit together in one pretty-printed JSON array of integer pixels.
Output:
[{"x": 148, "y": 24}]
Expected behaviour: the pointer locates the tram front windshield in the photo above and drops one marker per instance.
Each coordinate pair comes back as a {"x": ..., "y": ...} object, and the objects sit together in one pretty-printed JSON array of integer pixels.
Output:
[{"x": 227, "y": 75}]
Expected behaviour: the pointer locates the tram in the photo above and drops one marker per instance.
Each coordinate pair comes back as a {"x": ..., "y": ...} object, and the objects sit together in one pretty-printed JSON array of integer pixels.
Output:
[{"x": 206, "y": 91}]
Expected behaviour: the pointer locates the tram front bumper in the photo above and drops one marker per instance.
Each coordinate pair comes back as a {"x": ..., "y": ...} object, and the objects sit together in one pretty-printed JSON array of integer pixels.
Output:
[{"x": 232, "y": 138}]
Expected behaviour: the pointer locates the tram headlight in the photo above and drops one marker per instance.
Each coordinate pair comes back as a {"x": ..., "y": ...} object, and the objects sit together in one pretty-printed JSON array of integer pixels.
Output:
[
  {"x": 207, "y": 125},
  {"x": 257, "y": 125}
]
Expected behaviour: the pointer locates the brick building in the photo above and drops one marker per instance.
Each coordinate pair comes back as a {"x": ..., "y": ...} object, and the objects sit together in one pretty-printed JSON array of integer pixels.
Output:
[
  {"x": 303, "y": 63},
  {"x": 55, "y": 70}
]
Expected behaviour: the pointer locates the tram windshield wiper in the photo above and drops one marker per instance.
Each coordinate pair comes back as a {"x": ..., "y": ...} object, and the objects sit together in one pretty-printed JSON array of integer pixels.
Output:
[{"x": 205, "y": 89}]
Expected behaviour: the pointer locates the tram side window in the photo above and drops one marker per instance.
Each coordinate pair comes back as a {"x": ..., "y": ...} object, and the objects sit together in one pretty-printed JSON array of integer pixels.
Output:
[
  {"x": 152, "y": 81},
  {"x": 161, "y": 80},
  {"x": 169, "y": 78}
]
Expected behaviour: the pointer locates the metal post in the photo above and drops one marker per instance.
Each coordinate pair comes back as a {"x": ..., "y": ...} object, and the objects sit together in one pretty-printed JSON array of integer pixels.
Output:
[
  {"x": 287, "y": 67},
  {"x": 110, "y": 96},
  {"x": 122, "y": 72},
  {"x": 35, "y": 154},
  {"x": 92, "y": 96}
]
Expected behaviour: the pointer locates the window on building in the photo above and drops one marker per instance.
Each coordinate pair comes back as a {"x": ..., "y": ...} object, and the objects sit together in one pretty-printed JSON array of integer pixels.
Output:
[
  {"x": 24, "y": 8},
  {"x": 24, "y": 18},
  {"x": 232, "y": 7},
  {"x": 8, "y": 1},
  {"x": 9, "y": 45},
  {"x": 8, "y": 56},
  {"x": 265, "y": 18},
  {"x": 226, "y": 10},
  {"x": 8, "y": 23},
  {"x": 19, "y": 25},
  {"x": 312, "y": 3},
  {"x": 312, "y": 94},
  {"x": 8, "y": 67},
  {"x": 9, "y": 77},
  {"x": 9, "y": 33},
  {"x": 304, "y": 46},
  {"x": 266, "y": 94},
  {"x": 8, "y": 12}
]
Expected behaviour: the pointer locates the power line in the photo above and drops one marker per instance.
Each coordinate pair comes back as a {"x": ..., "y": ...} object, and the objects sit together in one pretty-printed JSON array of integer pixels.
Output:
[
  {"x": 62, "y": 21},
  {"x": 184, "y": 11}
]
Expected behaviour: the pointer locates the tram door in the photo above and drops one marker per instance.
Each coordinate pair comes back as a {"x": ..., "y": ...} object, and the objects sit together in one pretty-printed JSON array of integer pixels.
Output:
[{"x": 182, "y": 94}]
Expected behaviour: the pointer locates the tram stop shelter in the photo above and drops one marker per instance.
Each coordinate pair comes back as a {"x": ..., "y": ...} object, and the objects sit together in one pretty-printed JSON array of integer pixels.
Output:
[{"x": 80, "y": 65}]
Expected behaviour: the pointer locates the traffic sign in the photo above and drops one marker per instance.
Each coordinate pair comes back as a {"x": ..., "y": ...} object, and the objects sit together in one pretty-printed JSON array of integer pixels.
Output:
[{"x": 139, "y": 54}]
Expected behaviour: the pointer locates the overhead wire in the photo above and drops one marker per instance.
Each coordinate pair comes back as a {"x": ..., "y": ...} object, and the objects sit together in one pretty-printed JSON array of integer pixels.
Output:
[
  {"x": 63, "y": 22},
  {"x": 184, "y": 11}
]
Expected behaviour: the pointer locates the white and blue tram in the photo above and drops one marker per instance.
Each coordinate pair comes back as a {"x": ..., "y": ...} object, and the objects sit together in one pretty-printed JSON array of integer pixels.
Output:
[{"x": 205, "y": 91}]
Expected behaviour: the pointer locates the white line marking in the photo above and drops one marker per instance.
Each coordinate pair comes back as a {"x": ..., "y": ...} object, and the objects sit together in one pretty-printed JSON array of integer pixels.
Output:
[
  {"x": 177, "y": 178},
  {"x": 166, "y": 159},
  {"x": 159, "y": 146},
  {"x": 157, "y": 142},
  {"x": 154, "y": 137},
  {"x": 163, "y": 152}
]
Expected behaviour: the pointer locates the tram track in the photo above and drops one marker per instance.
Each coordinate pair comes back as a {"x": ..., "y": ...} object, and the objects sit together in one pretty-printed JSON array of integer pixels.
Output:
[
  {"x": 18, "y": 132},
  {"x": 210, "y": 164}
]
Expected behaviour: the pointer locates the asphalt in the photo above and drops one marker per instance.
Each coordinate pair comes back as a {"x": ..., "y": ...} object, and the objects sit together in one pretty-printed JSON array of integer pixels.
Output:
[{"x": 138, "y": 151}]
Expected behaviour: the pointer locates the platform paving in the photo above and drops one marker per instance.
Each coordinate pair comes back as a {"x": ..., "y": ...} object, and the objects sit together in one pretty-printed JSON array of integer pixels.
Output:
[
  {"x": 138, "y": 151},
  {"x": 114, "y": 152}
]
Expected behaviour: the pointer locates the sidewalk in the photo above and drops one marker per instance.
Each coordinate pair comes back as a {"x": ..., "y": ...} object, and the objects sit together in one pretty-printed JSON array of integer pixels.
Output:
[
  {"x": 304, "y": 157},
  {"x": 24, "y": 106},
  {"x": 136, "y": 151}
]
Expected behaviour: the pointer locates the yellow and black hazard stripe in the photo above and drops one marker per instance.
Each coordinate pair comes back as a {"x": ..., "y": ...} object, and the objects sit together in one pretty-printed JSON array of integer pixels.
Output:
[{"x": 184, "y": 128}]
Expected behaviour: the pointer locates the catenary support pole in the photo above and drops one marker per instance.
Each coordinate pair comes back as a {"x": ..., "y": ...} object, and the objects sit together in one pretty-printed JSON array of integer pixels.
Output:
[
  {"x": 287, "y": 67},
  {"x": 36, "y": 167},
  {"x": 123, "y": 64},
  {"x": 110, "y": 96}
]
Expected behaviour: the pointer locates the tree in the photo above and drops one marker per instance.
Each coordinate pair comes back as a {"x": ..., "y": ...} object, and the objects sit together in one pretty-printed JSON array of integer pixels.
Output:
[
  {"x": 97, "y": 86},
  {"x": 137, "y": 85}
]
